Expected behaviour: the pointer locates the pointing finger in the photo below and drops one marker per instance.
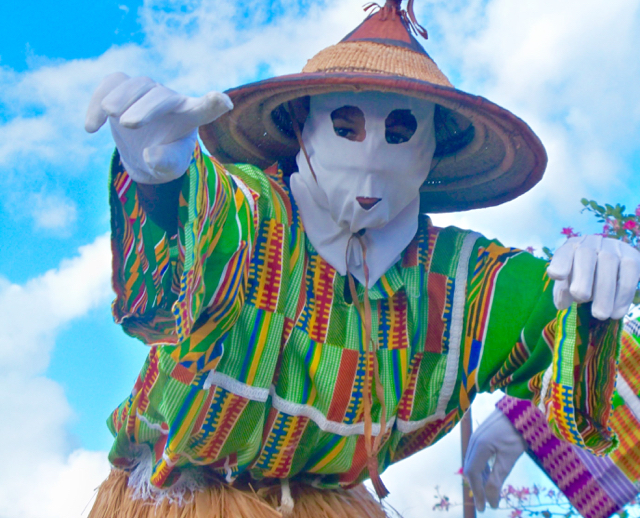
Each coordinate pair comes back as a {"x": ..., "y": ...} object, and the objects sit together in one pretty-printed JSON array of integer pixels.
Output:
[
  {"x": 96, "y": 116},
  {"x": 153, "y": 104},
  {"x": 122, "y": 97},
  {"x": 206, "y": 109},
  {"x": 475, "y": 464}
]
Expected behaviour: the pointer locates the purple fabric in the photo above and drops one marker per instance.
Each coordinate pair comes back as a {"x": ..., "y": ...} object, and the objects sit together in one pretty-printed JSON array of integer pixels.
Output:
[
  {"x": 609, "y": 476},
  {"x": 560, "y": 461}
]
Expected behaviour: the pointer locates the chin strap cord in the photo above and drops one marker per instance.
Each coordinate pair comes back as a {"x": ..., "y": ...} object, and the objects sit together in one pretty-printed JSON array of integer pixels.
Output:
[{"x": 371, "y": 365}]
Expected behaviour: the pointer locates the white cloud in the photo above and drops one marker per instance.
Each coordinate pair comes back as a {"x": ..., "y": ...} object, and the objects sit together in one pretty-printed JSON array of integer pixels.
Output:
[
  {"x": 32, "y": 314},
  {"x": 570, "y": 70},
  {"x": 40, "y": 476},
  {"x": 53, "y": 212}
]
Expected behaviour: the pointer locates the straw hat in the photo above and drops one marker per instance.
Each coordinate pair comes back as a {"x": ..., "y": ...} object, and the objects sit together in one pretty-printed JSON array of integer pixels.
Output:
[{"x": 485, "y": 155}]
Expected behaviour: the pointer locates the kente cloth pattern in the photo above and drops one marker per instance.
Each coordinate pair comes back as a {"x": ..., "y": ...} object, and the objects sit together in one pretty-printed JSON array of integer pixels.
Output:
[
  {"x": 596, "y": 486},
  {"x": 257, "y": 357}
]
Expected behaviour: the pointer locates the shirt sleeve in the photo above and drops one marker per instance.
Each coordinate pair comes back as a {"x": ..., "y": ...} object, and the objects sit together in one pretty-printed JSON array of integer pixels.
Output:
[
  {"x": 595, "y": 486},
  {"x": 564, "y": 361},
  {"x": 170, "y": 286}
]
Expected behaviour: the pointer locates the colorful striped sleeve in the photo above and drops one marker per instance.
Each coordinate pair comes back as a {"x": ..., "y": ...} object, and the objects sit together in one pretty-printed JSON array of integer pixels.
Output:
[
  {"x": 596, "y": 486},
  {"x": 517, "y": 341},
  {"x": 167, "y": 286}
]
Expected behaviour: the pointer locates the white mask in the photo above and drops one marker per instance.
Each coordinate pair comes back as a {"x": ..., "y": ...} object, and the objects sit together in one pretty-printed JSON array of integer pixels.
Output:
[{"x": 373, "y": 168}]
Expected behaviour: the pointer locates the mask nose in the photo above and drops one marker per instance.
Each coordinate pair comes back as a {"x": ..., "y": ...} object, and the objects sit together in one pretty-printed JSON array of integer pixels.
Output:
[{"x": 367, "y": 203}]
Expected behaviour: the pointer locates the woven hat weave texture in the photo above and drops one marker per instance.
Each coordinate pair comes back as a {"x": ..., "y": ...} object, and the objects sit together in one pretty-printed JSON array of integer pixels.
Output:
[{"x": 376, "y": 58}]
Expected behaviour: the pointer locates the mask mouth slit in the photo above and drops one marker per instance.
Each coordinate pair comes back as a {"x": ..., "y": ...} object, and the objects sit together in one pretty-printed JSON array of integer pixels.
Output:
[{"x": 367, "y": 203}]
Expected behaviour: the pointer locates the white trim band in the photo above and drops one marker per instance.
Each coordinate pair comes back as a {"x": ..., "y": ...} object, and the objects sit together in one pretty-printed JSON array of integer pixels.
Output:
[
  {"x": 343, "y": 429},
  {"x": 457, "y": 324},
  {"x": 236, "y": 387}
]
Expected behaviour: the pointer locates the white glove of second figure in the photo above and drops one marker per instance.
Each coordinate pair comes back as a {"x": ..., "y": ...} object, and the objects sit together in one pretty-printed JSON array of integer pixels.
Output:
[
  {"x": 495, "y": 438},
  {"x": 154, "y": 128}
]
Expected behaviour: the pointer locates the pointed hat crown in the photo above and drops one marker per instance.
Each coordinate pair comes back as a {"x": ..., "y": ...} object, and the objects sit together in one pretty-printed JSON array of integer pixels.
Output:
[
  {"x": 382, "y": 44},
  {"x": 484, "y": 154}
]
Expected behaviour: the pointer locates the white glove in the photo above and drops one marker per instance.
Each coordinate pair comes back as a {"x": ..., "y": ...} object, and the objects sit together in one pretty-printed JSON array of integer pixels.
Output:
[
  {"x": 495, "y": 437},
  {"x": 154, "y": 128},
  {"x": 592, "y": 268}
]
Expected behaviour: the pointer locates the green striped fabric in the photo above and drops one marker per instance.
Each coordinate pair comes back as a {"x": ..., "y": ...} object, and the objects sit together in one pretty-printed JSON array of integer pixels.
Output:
[{"x": 257, "y": 361}]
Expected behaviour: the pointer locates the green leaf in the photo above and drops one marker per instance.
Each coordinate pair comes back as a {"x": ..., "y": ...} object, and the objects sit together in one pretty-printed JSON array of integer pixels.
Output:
[
  {"x": 636, "y": 298},
  {"x": 584, "y": 202}
]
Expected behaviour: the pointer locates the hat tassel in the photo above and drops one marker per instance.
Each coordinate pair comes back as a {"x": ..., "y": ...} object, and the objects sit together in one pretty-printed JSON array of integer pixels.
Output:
[{"x": 392, "y": 8}]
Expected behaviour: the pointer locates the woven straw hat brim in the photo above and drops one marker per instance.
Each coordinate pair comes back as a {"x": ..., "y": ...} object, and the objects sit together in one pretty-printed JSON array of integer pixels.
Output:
[{"x": 503, "y": 159}]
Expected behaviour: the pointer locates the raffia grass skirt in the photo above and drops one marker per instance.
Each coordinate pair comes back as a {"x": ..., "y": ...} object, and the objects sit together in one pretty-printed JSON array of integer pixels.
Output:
[{"x": 114, "y": 500}]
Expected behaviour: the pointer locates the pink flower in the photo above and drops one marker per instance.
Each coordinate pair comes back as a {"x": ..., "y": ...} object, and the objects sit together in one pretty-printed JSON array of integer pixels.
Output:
[
  {"x": 516, "y": 513},
  {"x": 630, "y": 225},
  {"x": 569, "y": 232},
  {"x": 459, "y": 472},
  {"x": 530, "y": 249}
]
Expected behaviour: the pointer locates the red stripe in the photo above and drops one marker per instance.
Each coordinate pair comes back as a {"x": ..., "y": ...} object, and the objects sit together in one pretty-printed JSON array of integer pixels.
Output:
[{"x": 344, "y": 385}]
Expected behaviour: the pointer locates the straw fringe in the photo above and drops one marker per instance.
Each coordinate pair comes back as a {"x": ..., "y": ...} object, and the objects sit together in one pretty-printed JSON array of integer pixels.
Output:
[
  {"x": 115, "y": 499},
  {"x": 376, "y": 58}
]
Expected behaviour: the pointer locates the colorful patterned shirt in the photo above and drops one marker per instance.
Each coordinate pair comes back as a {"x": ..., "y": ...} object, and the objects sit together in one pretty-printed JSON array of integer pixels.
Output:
[
  {"x": 597, "y": 487},
  {"x": 256, "y": 363}
]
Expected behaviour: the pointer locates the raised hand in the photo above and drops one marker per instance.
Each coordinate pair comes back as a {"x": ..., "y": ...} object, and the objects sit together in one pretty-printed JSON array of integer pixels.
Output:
[
  {"x": 495, "y": 438},
  {"x": 593, "y": 268},
  {"x": 154, "y": 128}
]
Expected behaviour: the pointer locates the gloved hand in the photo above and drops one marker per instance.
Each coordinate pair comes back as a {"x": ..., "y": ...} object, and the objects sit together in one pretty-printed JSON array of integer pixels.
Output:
[
  {"x": 154, "y": 128},
  {"x": 495, "y": 437},
  {"x": 592, "y": 268}
]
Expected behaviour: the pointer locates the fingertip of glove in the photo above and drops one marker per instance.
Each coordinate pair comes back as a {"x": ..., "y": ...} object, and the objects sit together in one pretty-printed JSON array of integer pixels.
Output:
[
  {"x": 220, "y": 98},
  {"x": 93, "y": 123}
]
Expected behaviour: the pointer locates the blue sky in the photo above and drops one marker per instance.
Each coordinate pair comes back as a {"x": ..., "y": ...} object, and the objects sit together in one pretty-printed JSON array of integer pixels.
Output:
[{"x": 570, "y": 69}]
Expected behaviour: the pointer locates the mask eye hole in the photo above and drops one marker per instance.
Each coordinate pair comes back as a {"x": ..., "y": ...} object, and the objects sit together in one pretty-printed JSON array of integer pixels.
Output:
[
  {"x": 400, "y": 126},
  {"x": 348, "y": 122}
]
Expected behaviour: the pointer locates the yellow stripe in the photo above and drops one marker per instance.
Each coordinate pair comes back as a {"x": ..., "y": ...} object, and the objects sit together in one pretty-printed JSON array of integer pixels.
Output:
[
  {"x": 262, "y": 340},
  {"x": 313, "y": 368},
  {"x": 405, "y": 369},
  {"x": 386, "y": 285},
  {"x": 330, "y": 456},
  {"x": 227, "y": 288},
  {"x": 189, "y": 419}
]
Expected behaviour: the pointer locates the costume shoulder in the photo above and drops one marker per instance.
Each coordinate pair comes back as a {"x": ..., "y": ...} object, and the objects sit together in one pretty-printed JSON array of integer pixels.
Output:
[{"x": 165, "y": 282}]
